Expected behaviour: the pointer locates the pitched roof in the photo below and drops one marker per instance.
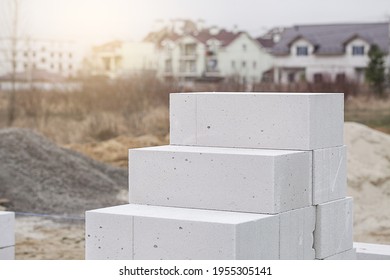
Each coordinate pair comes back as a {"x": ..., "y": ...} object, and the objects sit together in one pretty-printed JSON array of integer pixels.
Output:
[
  {"x": 224, "y": 36},
  {"x": 331, "y": 38},
  {"x": 267, "y": 43}
]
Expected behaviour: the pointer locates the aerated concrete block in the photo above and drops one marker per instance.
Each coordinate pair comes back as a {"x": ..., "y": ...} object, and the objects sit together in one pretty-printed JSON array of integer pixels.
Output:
[
  {"x": 7, "y": 253},
  {"x": 181, "y": 233},
  {"x": 297, "y": 234},
  {"x": 296, "y": 121},
  {"x": 7, "y": 229},
  {"x": 241, "y": 180},
  {"x": 346, "y": 255},
  {"x": 333, "y": 233},
  {"x": 108, "y": 236},
  {"x": 329, "y": 174},
  {"x": 367, "y": 251}
]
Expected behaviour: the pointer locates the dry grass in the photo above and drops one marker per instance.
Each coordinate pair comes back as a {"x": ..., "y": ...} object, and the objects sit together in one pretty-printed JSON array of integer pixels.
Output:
[
  {"x": 101, "y": 111},
  {"x": 104, "y": 110}
]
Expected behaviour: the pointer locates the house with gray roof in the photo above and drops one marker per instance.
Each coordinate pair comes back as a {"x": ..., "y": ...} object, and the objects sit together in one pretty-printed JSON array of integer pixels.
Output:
[{"x": 327, "y": 52}]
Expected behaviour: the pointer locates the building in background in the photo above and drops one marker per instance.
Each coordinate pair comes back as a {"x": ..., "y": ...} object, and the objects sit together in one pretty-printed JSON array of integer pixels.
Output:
[
  {"x": 38, "y": 62},
  {"x": 189, "y": 51},
  {"x": 327, "y": 52},
  {"x": 118, "y": 59}
]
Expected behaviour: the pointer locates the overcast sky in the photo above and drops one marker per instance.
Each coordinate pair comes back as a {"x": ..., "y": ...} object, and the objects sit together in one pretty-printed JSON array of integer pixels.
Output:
[{"x": 101, "y": 20}]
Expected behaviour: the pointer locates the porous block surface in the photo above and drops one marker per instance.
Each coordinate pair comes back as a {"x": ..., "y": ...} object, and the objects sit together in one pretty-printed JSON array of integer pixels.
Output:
[
  {"x": 334, "y": 223},
  {"x": 297, "y": 121},
  {"x": 152, "y": 232},
  {"x": 243, "y": 180},
  {"x": 297, "y": 234},
  {"x": 329, "y": 174}
]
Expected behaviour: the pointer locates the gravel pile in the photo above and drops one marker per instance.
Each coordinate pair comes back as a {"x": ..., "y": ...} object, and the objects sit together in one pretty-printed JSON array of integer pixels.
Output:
[{"x": 38, "y": 176}]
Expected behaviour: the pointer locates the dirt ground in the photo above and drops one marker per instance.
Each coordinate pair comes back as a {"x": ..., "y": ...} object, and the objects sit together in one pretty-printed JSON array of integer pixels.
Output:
[{"x": 44, "y": 239}]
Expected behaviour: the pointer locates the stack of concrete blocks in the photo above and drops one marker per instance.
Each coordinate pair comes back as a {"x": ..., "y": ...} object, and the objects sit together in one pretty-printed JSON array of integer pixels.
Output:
[
  {"x": 246, "y": 176},
  {"x": 7, "y": 236}
]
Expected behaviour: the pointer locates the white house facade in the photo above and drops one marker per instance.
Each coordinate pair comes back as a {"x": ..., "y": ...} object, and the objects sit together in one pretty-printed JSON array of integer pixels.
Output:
[
  {"x": 212, "y": 55},
  {"x": 318, "y": 53},
  {"x": 52, "y": 56}
]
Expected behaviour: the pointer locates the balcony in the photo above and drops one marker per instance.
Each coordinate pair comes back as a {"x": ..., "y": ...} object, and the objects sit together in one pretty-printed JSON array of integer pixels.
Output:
[
  {"x": 212, "y": 73},
  {"x": 188, "y": 56}
]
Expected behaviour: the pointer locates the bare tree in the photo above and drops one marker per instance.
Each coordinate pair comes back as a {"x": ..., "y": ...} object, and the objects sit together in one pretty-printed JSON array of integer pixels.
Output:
[{"x": 14, "y": 45}]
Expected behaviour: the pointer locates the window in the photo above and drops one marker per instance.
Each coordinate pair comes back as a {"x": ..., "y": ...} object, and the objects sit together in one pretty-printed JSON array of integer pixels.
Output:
[
  {"x": 233, "y": 64},
  {"x": 212, "y": 65},
  {"x": 43, "y": 60},
  {"x": 243, "y": 64},
  {"x": 318, "y": 78},
  {"x": 357, "y": 50},
  {"x": 168, "y": 65},
  {"x": 244, "y": 47},
  {"x": 70, "y": 55},
  {"x": 302, "y": 51},
  {"x": 254, "y": 64},
  {"x": 291, "y": 77},
  {"x": 340, "y": 78},
  {"x": 190, "y": 49}
]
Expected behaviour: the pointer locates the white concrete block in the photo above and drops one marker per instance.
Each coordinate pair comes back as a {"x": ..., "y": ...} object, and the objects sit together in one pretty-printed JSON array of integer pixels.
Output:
[
  {"x": 346, "y": 255},
  {"x": 180, "y": 233},
  {"x": 7, "y": 253},
  {"x": 329, "y": 174},
  {"x": 7, "y": 229},
  {"x": 297, "y": 121},
  {"x": 182, "y": 121},
  {"x": 368, "y": 251},
  {"x": 243, "y": 180},
  {"x": 333, "y": 233},
  {"x": 108, "y": 236},
  {"x": 297, "y": 234}
]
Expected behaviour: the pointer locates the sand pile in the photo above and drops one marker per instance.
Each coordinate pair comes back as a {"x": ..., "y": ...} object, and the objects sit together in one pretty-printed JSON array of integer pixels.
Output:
[
  {"x": 38, "y": 176},
  {"x": 369, "y": 182}
]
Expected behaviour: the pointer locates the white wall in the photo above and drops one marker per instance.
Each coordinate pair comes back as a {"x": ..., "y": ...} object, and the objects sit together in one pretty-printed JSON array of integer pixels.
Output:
[
  {"x": 256, "y": 59},
  {"x": 330, "y": 64},
  {"x": 253, "y": 54},
  {"x": 138, "y": 57},
  {"x": 61, "y": 57}
]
